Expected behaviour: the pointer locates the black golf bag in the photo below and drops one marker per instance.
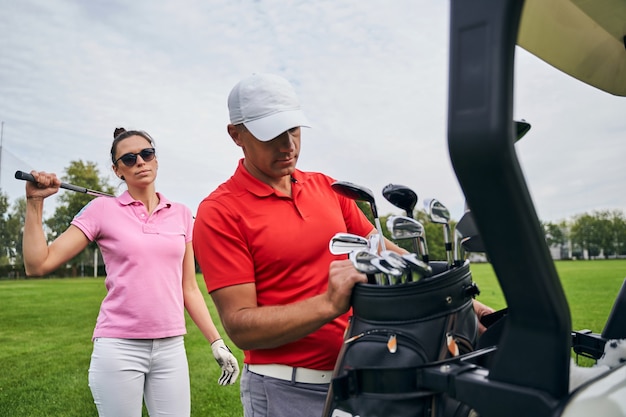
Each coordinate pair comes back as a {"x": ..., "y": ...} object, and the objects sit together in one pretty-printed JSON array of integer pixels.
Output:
[{"x": 393, "y": 331}]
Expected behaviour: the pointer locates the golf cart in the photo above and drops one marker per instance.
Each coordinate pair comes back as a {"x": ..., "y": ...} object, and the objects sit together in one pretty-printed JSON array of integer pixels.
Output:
[{"x": 527, "y": 374}]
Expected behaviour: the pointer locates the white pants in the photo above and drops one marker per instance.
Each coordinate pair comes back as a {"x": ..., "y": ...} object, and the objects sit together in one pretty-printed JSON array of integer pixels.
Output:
[{"x": 123, "y": 372}]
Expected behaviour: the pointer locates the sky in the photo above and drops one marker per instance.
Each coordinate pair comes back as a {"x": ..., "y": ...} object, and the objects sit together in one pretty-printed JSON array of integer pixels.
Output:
[{"x": 371, "y": 76}]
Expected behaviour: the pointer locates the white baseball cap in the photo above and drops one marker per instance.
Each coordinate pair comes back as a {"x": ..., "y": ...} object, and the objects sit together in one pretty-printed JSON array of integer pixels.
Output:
[{"x": 267, "y": 105}]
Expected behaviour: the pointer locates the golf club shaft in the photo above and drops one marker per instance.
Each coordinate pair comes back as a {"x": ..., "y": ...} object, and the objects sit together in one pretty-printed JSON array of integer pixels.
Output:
[
  {"x": 379, "y": 228},
  {"x": 20, "y": 175},
  {"x": 448, "y": 243}
]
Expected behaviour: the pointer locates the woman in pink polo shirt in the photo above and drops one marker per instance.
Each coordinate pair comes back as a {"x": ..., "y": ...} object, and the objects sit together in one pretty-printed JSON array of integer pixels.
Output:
[{"x": 145, "y": 241}]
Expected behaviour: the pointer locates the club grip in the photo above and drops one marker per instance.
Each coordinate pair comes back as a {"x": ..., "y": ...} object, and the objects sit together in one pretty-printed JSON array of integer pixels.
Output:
[{"x": 21, "y": 175}]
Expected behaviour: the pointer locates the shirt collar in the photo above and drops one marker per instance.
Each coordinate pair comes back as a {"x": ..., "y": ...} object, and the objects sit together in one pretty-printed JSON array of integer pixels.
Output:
[
  {"x": 126, "y": 199},
  {"x": 256, "y": 186}
]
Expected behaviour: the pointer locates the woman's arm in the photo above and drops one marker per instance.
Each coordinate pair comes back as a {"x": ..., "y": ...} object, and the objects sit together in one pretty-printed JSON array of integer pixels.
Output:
[
  {"x": 39, "y": 257},
  {"x": 199, "y": 313},
  {"x": 194, "y": 301}
]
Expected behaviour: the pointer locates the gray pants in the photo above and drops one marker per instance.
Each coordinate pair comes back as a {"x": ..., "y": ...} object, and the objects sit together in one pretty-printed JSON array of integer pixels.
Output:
[{"x": 263, "y": 396}]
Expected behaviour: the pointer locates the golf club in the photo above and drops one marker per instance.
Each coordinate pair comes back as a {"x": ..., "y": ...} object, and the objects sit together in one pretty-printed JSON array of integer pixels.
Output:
[
  {"x": 344, "y": 243},
  {"x": 20, "y": 175},
  {"x": 464, "y": 228},
  {"x": 374, "y": 243},
  {"x": 417, "y": 265},
  {"x": 358, "y": 192},
  {"x": 391, "y": 272},
  {"x": 473, "y": 244},
  {"x": 401, "y": 196},
  {"x": 404, "y": 227},
  {"x": 396, "y": 261},
  {"x": 439, "y": 214},
  {"x": 362, "y": 261},
  {"x": 521, "y": 128}
]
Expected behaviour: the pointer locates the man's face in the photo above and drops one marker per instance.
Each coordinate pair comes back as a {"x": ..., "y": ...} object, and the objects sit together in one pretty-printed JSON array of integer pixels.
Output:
[{"x": 270, "y": 161}]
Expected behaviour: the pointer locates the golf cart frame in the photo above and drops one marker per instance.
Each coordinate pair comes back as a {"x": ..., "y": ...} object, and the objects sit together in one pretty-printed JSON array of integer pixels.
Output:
[{"x": 527, "y": 374}]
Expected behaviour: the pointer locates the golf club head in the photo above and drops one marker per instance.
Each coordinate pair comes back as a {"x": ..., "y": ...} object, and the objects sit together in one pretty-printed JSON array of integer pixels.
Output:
[
  {"x": 466, "y": 225},
  {"x": 437, "y": 212},
  {"x": 386, "y": 268},
  {"x": 355, "y": 192},
  {"x": 344, "y": 243},
  {"x": 404, "y": 227},
  {"x": 417, "y": 265},
  {"x": 521, "y": 128},
  {"x": 394, "y": 259},
  {"x": 401, "y": 196},
  {"x": 358, "y": 192},
  {"x": 362, "y": 261},
  {"x": 473, "y": 244}
]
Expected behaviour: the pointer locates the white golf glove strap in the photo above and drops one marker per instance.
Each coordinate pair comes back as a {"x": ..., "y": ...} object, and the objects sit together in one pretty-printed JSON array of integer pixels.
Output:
[{"x": 227, "y": 361}]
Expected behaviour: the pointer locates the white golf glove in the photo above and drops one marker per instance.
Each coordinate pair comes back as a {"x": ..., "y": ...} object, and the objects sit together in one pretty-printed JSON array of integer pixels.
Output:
[{"x": 227, "y": 361}]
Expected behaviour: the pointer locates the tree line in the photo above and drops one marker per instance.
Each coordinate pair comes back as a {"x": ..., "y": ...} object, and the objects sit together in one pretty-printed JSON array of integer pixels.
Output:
[{"x": 599, "y": 234}]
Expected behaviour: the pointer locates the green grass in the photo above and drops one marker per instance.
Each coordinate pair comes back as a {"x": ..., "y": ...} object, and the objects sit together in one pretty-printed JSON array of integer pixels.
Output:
[
  {"x": 590, "y": 288},
  {"x": 45, "y": 348},
  {"x": 46, "y": 327}
]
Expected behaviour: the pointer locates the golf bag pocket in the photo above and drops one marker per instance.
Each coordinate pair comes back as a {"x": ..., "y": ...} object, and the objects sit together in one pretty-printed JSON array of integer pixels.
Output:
[{"x": 395, "y": 330}]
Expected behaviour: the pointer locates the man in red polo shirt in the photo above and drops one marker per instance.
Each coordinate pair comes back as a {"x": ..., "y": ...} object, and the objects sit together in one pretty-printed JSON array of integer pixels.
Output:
[{"x": 261, "y": 240}]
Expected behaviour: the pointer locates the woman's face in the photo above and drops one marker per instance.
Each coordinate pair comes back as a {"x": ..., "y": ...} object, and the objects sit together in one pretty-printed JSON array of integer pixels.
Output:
[{"x": 142, "y": 172}]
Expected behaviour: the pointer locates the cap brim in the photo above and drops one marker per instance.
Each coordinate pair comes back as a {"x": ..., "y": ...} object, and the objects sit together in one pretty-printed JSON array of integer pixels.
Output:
[{"x": 270, "y": 127}]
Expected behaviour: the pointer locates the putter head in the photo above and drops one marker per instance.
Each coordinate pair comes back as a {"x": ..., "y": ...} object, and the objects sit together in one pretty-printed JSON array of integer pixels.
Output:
[
  {"x": 344, "y": 243},
  {"x": 401, "y": 196},
  {"x": 437, "y": 212},
  {"x": 404, "y": 227}
]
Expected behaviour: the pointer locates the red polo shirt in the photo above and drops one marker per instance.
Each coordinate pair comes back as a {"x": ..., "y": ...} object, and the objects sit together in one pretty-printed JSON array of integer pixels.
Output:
[{"x": 247, "y": 233}]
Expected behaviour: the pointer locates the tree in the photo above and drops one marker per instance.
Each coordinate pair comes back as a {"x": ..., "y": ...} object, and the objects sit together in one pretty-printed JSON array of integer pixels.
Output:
[
  {"x": 5, "y": 247},
  {"x": 619, "y": 231},
  {"x": 557, "y": 235},
  {"x": 15, "y": 227},
  {"x": 86, "y": 175},
  {"x": 603, "y": 231},
  {"x": 584, "y": 235}
]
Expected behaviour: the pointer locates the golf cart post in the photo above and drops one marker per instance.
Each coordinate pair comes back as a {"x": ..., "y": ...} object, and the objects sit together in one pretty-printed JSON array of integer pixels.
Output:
[{"x": 527, "y": 374}]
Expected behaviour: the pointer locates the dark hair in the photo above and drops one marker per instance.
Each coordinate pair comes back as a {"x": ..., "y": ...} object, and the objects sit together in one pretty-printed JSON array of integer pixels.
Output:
[{"x": 119, "y": 134}]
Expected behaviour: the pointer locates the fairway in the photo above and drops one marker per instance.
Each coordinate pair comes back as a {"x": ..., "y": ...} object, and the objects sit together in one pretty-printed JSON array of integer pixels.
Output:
[{"x": 45, "y": 338}]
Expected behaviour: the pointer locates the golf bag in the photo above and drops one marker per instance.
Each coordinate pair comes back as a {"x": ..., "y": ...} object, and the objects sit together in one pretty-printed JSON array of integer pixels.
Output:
[{"x": 393, "y": 331}]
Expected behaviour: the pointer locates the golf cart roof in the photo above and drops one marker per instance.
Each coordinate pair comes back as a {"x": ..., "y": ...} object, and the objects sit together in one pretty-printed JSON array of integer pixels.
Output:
[{"x": 585, "y": 39}]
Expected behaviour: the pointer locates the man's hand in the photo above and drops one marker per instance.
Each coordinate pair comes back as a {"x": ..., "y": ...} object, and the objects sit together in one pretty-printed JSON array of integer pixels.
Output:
[
  {"x": 227, "y": 361},
  {"x": 342, "y": 276},
  {"x": 481, "y": 310}
]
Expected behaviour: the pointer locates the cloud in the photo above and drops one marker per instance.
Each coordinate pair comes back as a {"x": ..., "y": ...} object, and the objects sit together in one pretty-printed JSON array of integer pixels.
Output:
[{"x": 372, "y": 77}]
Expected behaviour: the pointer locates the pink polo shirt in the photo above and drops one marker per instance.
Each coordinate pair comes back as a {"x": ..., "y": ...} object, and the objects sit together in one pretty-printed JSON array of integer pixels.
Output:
[{"x": 143, "y": 254}]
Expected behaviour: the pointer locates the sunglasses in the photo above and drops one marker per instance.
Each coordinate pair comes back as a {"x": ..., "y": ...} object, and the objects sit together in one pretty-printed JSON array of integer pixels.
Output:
[{"x": 130, "y": 159}]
